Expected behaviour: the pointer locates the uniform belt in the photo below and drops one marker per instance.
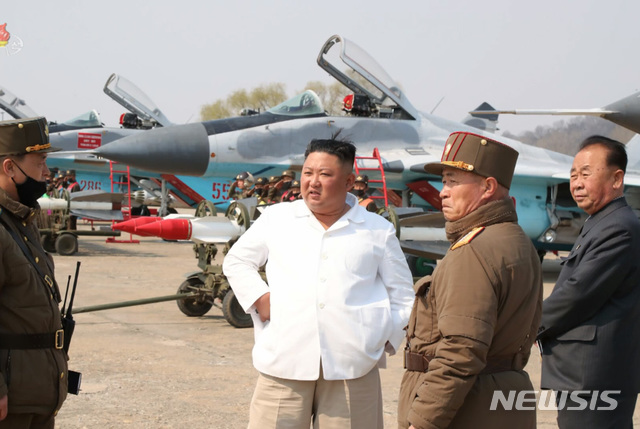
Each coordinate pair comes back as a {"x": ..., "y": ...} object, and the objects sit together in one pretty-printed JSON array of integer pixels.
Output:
[
  {"x": 53, "y": 340},
  {"x": 419, "y": 362}
]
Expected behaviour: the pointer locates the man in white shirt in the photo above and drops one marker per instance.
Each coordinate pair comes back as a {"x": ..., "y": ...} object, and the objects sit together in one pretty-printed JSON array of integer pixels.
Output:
[{"x": 339, "y": 294}]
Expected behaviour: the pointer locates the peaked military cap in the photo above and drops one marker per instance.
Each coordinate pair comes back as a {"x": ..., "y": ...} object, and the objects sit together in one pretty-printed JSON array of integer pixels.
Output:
[
  {"x": 295, "y": 184},
  {"x": 362, "y": 178},
  {"x": 274, "y": 179},
  {"x": 22, "y": 136},
  {"x": 477, "y": 154},
  {"x": 262, "y": 181},
  {"x": 289, "y": 173}
]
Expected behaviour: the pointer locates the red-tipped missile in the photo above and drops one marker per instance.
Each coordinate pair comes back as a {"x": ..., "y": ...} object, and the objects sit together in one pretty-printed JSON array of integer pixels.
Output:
[
  {"x": 208, "y": 229},
  {"x": 131, "y": 226}
]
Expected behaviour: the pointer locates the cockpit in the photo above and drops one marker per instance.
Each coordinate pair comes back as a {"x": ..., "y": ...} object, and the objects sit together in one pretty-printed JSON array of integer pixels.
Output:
[
  {"x": 89, "y": 119},
  {"x": 304, "y": 104}
]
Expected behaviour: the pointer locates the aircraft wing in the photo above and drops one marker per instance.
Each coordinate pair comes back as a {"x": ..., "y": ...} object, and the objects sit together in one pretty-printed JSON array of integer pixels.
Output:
[{"x": 624, "y": 112}]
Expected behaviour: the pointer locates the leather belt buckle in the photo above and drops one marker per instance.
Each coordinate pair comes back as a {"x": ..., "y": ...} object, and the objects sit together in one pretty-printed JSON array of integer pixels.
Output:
[{"x": 59, "y": 339}]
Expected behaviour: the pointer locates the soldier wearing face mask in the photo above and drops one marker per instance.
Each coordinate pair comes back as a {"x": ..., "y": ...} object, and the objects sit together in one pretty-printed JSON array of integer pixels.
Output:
[
  {"x": 360, "y": 188},
  {"x": 33, "y": 363}
]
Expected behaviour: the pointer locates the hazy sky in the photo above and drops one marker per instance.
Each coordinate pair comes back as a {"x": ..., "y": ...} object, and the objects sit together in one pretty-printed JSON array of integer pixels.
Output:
[{"x": 184, "y": 54}]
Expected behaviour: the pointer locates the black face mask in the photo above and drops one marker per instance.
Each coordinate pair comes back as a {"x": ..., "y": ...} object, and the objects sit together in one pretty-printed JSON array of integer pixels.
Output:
[
  {"x": 30, "y": 190},
  {"x": 358, "y": 193}
]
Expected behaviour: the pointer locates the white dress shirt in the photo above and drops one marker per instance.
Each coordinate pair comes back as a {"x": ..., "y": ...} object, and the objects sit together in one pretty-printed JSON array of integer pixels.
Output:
[{"x": 337, "y": 295}]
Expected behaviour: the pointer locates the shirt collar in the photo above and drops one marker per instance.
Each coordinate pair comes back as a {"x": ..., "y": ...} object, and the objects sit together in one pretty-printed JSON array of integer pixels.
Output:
[{"x": 353, "y": 215}]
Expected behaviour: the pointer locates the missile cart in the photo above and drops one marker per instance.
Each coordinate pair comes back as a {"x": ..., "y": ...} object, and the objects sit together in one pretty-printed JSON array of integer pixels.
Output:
[{"x": 210, "y": 283}]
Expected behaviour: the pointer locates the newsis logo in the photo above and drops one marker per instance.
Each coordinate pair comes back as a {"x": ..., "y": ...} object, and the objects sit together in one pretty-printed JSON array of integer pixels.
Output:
[
  {"x": 548, "y": 400},
  {"x": 11, "y": 43}
]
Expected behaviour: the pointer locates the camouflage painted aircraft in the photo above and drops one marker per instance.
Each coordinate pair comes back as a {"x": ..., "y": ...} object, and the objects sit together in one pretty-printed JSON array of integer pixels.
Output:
[
  {"x": 78, "y": 136},
  {"x": 379, "y": 116}
]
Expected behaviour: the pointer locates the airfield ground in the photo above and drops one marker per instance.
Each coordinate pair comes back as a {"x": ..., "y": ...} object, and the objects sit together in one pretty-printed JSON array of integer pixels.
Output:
[{"x": 153, "y": 367}]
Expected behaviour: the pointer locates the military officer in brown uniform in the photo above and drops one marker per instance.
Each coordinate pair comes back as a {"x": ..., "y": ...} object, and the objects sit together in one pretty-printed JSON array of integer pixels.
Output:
[
  {"x": 33, "y": 364},
  {"x": 474, "y": 321}
]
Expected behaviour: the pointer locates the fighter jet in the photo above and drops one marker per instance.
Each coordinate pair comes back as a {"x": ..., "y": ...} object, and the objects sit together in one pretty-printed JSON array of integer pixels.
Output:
[
  {"x": 380, "y": 117},
  {"x": 78, "y": 136}
]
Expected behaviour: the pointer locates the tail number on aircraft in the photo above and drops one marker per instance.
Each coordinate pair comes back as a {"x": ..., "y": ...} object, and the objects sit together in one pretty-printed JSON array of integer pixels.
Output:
[
  {"x": 220, "y": 191},
  {"x": 90, "y": 185}
]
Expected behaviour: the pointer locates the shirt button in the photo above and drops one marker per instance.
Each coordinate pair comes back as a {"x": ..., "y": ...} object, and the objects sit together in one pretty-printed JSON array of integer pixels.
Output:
[
  {"x": 322, "y": 279},
  {"x": 61, "y": 375},
  {"x": 321, "y": 306},
  {"x": 37, "y": 259},
  {"x": 25, "y": 238},
  {"x": 324, "y": 256},
  {"x": 24, "y": 223}
]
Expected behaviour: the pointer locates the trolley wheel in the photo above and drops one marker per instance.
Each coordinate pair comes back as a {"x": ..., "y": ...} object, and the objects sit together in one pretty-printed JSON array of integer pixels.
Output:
[
  {"x": 196, "y": 306},
  {"x": 48, "y": 242},
  {"x": 239, "y": 213},
  {"x": 233, "y": 312},
  {"x": 205, "y": 208},
  {"x": 66, "y": 244}
]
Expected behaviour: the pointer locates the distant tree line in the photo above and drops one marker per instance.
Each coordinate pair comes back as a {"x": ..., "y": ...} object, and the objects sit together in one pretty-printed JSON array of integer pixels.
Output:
[{"x": 564, "y": 136}]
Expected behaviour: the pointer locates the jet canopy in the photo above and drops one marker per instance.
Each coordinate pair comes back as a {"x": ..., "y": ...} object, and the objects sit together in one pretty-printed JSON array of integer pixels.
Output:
[
  {"x": 14, "y": 105},
  {"x": 304, "y": 104},
  {"x": 364, "y": 76},
  {"x": 132, "y": 98}
]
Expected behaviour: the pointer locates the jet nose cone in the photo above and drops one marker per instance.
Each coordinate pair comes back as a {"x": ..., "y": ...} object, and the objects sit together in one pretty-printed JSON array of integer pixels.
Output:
[{"x": 179, "y": 149}]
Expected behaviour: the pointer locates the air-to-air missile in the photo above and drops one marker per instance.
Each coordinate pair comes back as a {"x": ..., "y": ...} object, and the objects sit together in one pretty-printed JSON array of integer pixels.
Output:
[
  {"x": 208, "y": 229},
  {"x": 62, "y": 204},
  {"x": 88, "y": 204},
  {"x": 133, "y": 226},
  {"x": 212, "y": 229}
]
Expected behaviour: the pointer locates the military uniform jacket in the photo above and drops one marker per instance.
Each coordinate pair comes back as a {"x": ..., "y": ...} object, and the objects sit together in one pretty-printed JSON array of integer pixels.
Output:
[
  {"x": 590, "y": 329},
  {"x": 482, "y": 304},
  {"x": 36, "y": 379}
]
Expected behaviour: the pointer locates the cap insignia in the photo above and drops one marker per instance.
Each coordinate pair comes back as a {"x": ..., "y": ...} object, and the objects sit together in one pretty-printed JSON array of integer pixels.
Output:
[{"x": 458, "y": 164}]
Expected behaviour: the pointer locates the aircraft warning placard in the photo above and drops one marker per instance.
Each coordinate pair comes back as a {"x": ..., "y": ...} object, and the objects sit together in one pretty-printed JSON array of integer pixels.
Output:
[{"x": 89, "y": 140}]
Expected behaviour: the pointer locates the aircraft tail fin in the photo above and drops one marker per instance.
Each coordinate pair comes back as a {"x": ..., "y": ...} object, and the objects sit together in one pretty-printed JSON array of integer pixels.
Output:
[{"x": 486, "y": 121}]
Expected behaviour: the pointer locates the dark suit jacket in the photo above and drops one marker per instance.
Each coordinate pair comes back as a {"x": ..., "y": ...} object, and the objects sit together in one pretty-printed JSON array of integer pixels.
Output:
[{"x": 590, "y": 328}]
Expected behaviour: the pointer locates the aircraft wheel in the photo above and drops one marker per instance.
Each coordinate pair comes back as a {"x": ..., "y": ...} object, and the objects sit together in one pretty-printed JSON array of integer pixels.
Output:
[
  {"x": 195, "y": 306},
  {"x": 48, "y": 242},
  {"x": 233, "y": 312},
  {"x": 66, "y": 244}
]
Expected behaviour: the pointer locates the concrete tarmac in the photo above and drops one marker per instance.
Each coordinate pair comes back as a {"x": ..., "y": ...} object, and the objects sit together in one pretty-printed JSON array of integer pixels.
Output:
[{"x": 153, "y": 367}]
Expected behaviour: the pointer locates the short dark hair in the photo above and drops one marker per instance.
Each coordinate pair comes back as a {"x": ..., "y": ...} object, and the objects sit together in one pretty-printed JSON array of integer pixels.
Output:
[
  {"x": 616, "y": 151},
  {"x": 343, "y": 149}
]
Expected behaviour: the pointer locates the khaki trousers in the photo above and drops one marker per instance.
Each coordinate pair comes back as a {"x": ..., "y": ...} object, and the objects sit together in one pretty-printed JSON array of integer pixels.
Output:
[{"x": 279, "y": 403}]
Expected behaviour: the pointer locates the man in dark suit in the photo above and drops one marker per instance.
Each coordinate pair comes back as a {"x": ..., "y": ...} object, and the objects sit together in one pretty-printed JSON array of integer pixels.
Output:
[{"x": 590, "y": 328}]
